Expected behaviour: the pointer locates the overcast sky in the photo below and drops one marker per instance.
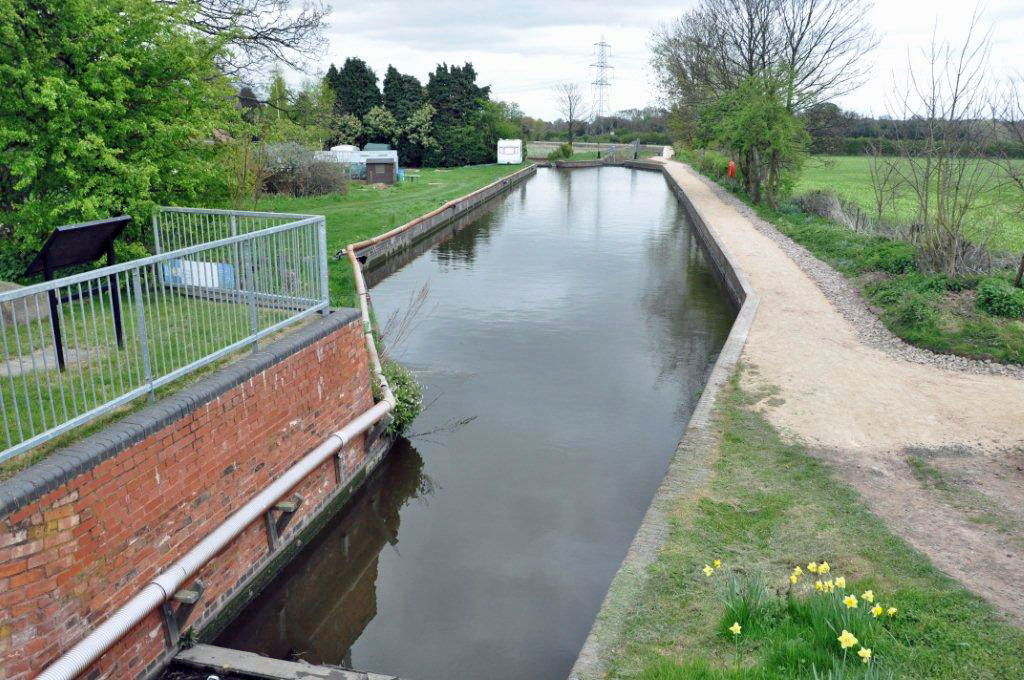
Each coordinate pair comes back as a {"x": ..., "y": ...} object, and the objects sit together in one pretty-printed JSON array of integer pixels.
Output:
[{"x": 523, "y": 48}]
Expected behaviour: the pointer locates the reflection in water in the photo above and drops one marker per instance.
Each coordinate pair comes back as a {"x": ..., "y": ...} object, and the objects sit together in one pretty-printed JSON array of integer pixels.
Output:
[
  {"x": 318, "y": 606},
  {"x": 576, "y": 322}
]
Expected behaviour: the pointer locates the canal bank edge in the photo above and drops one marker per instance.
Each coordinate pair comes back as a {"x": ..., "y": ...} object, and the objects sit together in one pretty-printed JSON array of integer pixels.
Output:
[
  {"x": 629, "y": 580},
  {"x": 379, "y": 248}
]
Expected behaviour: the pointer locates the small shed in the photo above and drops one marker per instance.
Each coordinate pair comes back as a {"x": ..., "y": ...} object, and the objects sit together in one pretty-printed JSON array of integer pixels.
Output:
[
  {"x": 380, "y": 171},
  {"x": 510, "y": 151}
]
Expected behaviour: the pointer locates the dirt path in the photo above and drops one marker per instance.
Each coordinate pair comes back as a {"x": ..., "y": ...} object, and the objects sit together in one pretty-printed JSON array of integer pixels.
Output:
[{"x": 938, "y": 453}]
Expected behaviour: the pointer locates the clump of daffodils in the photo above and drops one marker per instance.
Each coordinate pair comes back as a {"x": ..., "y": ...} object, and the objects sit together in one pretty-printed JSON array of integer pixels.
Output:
[
  {"x": 846, "y": 605},
  {"x": 842, "y": 610}
]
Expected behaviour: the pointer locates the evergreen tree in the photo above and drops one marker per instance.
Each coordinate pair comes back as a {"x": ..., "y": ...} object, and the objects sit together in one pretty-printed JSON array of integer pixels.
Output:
[
  {"x": 403, "y": 94},
  {"x": 355, "y": 88},
  {"x": 454, "y": 94}
]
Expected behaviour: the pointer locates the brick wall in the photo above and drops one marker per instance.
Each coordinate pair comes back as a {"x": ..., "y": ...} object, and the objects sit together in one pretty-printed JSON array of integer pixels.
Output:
[{"x": 85, "y": 529}]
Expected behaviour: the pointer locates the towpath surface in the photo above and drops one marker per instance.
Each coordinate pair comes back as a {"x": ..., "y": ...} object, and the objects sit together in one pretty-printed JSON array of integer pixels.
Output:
[{"x": 872, "y": 414}]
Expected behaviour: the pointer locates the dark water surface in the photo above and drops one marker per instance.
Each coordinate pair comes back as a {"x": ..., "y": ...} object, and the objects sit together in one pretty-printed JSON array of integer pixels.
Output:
[{"x": 575, "y": 324}]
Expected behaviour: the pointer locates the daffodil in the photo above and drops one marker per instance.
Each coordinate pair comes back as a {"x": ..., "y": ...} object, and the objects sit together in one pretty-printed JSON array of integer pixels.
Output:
[
  {"x": 850, "y": 601},
  {"x": 877, "y": 610},
  {"x": 797, "y": 570},
  {"x": 735, "y": 628},
  {"x": 891, "y": 611},
  {"x": 812, "y": 567},
  {"x": 717, "y": 563},
  {"x": 823, "y": 568},
  {"x": 840, "y": 582},
  {"x": 864, "y": 653},
  {"x": 794, "y": 577},
  {"x": 846, "y": 639},
  {"x": 868, "y": 596},
  {"x": 819, "y": 586},
  {"x": 830, "y": 586},
  {"x": 708, "y": 571}
]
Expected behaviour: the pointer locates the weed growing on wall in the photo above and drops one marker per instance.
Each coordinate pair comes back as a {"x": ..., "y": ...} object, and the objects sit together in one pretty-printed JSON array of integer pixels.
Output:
[{"x": 408, "y": 396}]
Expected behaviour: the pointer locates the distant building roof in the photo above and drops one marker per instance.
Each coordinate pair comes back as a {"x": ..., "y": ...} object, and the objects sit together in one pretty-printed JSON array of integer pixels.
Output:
[{"x": 375, "y": 146}]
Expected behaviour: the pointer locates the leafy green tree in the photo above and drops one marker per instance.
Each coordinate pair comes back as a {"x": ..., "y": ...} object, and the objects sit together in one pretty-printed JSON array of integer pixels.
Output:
[
  {"x": 278, "y": 95},
  {"x": 754, "y": 123},
  {"x": 108, "y": 107},
  {"x": 379, "y": 125},
  {"x": 403, "y": 94},
  {"x": 417, "y": 136}
]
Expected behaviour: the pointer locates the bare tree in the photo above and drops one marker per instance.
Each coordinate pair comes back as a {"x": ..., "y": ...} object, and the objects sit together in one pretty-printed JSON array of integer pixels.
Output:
[
  {"x": 569, "y": 98},
  {"x": 1008, "y": 113},
  {"x": 946, "y": 90},
  {"x": 261, "y": 32},
  {"x": 817, "y": 45},
  {"x": 885, "y": 179}
]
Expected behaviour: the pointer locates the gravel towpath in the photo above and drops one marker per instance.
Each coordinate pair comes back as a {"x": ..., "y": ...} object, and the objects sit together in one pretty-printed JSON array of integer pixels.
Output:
[{"x": 835, "y": 379}]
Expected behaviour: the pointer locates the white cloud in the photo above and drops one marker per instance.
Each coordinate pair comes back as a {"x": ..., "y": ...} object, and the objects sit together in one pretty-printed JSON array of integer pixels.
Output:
[{"x": 522, "y": 49}]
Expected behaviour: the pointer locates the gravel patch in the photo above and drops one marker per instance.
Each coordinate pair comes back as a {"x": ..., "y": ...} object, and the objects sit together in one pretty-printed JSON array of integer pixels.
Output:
[{"x": 854, "y": 308}]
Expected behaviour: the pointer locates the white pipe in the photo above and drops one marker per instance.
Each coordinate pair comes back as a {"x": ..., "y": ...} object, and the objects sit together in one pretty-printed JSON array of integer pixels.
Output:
[{"x": 157, "y": 591}]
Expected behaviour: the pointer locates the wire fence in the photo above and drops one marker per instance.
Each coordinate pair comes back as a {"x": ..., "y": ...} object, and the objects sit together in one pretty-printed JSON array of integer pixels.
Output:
[{"x": 80, "y": 346}]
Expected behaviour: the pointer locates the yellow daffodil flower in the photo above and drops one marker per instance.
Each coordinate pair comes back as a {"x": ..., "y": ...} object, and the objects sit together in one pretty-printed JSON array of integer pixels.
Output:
[
  {"x": 850, "y": 601},
  {"x": 735, "y": 628},
  {"x": 877, "y": 610},
  {"x": 865, "y": 654},
  {"x": 708, "y": 571},
  {"x": 830, "y": 586},
  {"x": 846, "y": 639},
  {"x": 717, "y": 563},
  {"x": 840, "y": 582},
  {"x": 819, "y": 586},
  {"x": 868, "y": 596},
  {"x": 812, "y": 567},
  {"x": 823, "y": 568},
  {"x": 793, "y": 578},
  {"x": 891, "y": 611},
  {"x": 797, "y": 570}
]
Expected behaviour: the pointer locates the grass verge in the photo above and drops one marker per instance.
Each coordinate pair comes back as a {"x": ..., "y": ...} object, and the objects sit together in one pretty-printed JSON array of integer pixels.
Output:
[
  {"x": 365, "y": 211},
  {"x": 937, "y": 312},
  {"x": 767, "y": 506}
]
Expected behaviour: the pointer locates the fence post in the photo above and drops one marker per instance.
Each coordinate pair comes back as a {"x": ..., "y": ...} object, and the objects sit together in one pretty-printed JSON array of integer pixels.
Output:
[
  {"x": 249, "y": 286},
  {"x": 140, "y": 322},
  {"x": 321, "y": 256}
]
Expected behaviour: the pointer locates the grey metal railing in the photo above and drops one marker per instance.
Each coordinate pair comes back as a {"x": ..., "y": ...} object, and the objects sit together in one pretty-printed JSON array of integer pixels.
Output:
[{"x": 221, "y": 280}]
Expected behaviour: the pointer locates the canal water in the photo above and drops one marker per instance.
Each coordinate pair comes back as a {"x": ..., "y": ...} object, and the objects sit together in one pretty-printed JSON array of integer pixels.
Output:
[{"x": 562, "y": 345}]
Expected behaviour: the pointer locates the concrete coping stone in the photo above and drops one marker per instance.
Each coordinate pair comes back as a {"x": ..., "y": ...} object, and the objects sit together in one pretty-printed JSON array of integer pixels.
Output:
[
  {"x": 236, "y": 662},
  {"x": 72, "y": 460}
]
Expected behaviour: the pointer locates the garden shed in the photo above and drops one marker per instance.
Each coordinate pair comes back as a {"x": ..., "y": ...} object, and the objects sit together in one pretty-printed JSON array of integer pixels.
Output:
[{"x": 381, "y": 170}]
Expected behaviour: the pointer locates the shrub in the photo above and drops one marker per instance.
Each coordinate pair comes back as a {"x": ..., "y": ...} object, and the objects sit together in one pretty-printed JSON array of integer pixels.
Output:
[
  {"x": 566, "y": 150},
  {"x": 298, "y": 173},
  {"x": 892, "y": 257},
  {"x": 408, "y": 396},
  {"x": 997, "y": 297},
  {"x": 555, "y": 155}
]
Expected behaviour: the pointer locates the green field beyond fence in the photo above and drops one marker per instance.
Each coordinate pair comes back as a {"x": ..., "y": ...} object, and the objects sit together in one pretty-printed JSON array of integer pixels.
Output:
[{"x": 998, "y": 219}]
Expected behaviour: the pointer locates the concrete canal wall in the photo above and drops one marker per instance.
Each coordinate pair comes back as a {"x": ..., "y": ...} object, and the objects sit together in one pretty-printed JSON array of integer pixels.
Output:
[
  {"x": 654, "y": 529},
  {"x": 86, "y": 528},
  {"x": 402, "y": 237}
]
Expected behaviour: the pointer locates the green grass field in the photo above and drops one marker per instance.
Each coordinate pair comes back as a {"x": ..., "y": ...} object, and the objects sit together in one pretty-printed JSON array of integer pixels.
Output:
[
  {"x": 767, "y": 506},
  {"x": 850, "y": 178},
  {"x": 364, "y": 211}
]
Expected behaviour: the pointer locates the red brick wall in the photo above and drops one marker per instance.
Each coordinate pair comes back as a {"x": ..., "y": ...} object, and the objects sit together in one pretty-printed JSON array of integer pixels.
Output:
[{"x": 72, "y": 556}]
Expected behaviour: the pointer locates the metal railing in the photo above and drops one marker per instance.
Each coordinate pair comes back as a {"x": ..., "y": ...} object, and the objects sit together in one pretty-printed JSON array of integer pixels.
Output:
[{"x": 125, "y": 330}]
